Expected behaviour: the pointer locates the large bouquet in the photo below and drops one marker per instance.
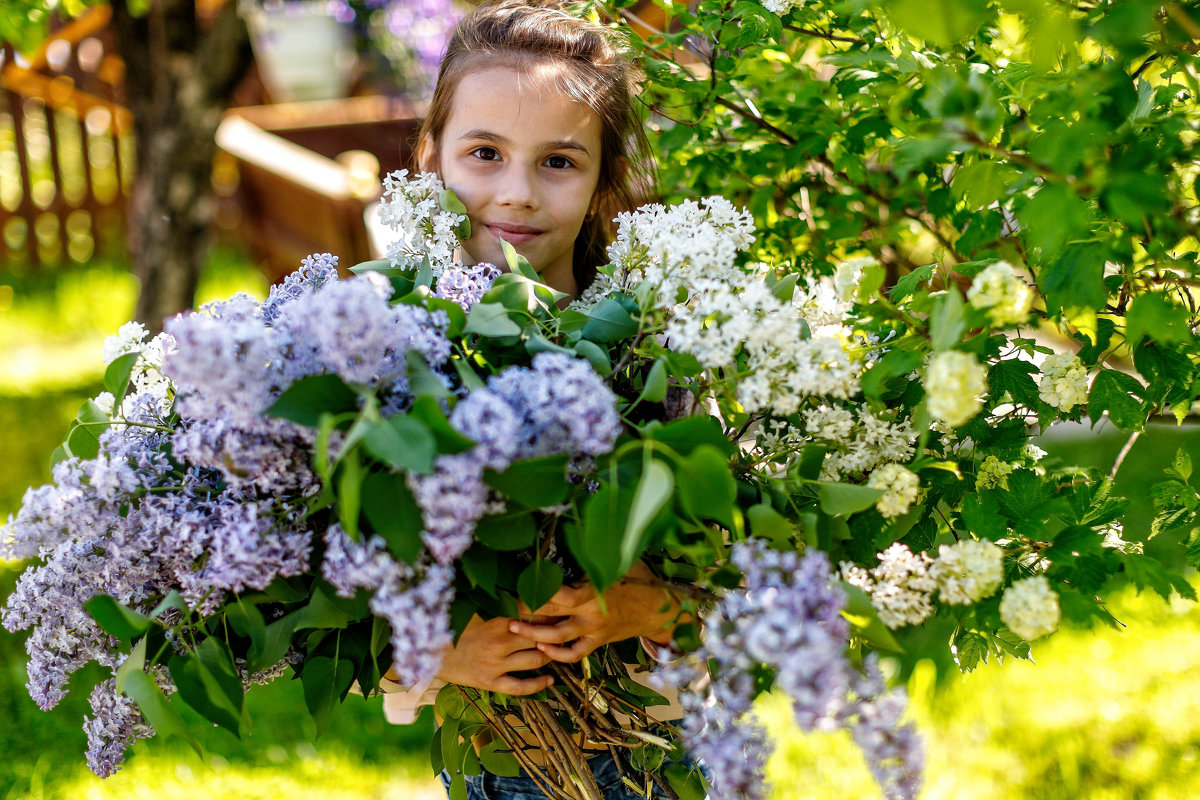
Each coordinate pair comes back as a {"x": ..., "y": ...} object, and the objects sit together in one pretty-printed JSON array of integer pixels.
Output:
[{"x": 334, "y": 481}]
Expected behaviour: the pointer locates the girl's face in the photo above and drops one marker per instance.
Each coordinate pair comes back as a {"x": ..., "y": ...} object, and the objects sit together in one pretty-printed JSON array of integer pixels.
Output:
[{"x": 525, "y": 160}]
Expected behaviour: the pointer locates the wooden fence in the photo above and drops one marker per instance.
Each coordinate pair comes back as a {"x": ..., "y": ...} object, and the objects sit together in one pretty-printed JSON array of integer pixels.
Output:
[{"x": 66, "y": 147}]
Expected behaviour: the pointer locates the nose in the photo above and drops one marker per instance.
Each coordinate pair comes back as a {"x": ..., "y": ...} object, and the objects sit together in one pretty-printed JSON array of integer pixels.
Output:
[{"x": 517, "y": 188}]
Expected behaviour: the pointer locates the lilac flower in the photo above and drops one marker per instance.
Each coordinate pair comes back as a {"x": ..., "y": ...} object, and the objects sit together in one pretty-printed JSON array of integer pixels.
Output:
[
  {"x": 893, "y": 749},
  {"x": 415, "y": 600},
  {"x": 466, "y": 285},
  {"x": 315, "y": 271},
  {"x": 115, "y": 725},
  {"x": 271, "y": 455}
]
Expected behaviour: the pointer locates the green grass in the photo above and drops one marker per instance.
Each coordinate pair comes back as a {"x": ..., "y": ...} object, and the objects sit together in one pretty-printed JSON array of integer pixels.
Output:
[{"x": 1105, "y": 714}]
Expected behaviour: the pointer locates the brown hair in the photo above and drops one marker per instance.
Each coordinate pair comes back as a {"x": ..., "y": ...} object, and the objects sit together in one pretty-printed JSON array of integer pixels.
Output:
[{"x": 524, "y": 35}]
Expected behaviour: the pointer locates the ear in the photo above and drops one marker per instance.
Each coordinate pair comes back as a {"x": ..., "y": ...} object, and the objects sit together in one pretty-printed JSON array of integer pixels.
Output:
[{"x": 425, "y": 154}]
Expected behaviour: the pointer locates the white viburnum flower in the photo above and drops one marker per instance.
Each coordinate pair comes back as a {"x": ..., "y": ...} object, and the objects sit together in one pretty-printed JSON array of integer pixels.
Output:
[
  {"x": 781, "y": 7},
  {"x": 903, "y": 587},
  {"x": 1030, "y": 608},
  {"x": 1064, "y": 381},
  {"x": 999, "y": 292},
  {"x": 900, "y": 486},
  {"x": 848, "y": 275},
  {"x": 856, "y": 576},
  {"x": 968, "y": 571},
  {"x": 954, "y": 385},
  {"x": 992, "y": 473}
]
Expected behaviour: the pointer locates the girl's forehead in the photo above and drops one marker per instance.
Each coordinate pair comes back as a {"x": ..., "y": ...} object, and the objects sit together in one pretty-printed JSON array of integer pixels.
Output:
[{"x": 527, "y": 101}]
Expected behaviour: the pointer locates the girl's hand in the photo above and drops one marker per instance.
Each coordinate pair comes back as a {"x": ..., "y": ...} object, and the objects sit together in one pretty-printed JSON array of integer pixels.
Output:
[
  {"x": 487, "y": 652},
  {"x": 634, "y": 609}
]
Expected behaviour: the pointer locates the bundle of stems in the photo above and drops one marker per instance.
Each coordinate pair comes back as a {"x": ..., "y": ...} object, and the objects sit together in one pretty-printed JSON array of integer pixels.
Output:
[{"x": 555, "y": 755}]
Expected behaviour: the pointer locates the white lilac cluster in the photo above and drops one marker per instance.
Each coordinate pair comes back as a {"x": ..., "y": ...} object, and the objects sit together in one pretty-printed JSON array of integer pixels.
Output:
[
  {"x": 902, "y": 586},
  {"x": 788, "y": 616},
  {"x": 1030, "y": 608},
  {"x": 411, "y": 207},
  {"x": 557, "y": 405},
  {"x": 955, "y": 383},
  {"x": 968, "y": 571},
  {"x": 857, "y": 440},
  {"x": 900, "y": 487},
  {"x": 466, "y": 285},
  {"x": 146, "y": 378},
  {"x": 993, "y": 473},
  {"x": 1063, "y": 382},
  {"x": 415, "y": 600},
  {"x": 1001, "y": 294}
]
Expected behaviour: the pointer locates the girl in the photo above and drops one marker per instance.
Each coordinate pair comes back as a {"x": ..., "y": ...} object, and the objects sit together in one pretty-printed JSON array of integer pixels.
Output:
[{"x": 532, "y": 125}]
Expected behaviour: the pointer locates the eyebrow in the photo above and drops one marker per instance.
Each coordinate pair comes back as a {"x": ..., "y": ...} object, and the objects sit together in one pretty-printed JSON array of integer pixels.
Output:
[{"x": 490, "y": 136}]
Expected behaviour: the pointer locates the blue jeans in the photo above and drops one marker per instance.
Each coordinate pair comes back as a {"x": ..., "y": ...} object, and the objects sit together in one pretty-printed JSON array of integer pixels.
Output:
[{"x": 487, "y": 786}]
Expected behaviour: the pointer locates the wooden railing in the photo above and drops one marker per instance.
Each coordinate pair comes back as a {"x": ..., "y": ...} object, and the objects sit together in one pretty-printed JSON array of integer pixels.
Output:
[{"x": 66, "y": 147}]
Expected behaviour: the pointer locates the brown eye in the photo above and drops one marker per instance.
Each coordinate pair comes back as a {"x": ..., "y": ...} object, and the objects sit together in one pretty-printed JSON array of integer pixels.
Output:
[
  {"x": 558, "y": 162},
  {"x": 486, "y": 154}
]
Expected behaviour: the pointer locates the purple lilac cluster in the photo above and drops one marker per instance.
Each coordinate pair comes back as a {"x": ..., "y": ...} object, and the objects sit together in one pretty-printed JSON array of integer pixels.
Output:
[
  {"x": 786, "y": 621},
  {"x": 557, "y": 405},
  {"x": 203, "y": 494},
  {"x": 115, "y": 724},
  {"x": 415, "y": 600},
  {"x": 466, "y": 285}
]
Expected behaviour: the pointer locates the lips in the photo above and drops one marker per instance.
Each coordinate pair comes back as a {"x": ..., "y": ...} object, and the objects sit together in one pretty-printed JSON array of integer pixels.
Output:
[{"x": 513, "y": 233}]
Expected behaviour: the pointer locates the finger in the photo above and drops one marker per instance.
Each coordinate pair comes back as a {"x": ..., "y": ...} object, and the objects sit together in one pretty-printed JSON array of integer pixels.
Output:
[
  {"x": 531, "y": 658},
  {"x": 569, "y": 654},
  {"x": 520, "y": 687},
  {"x": 560, "y": 633}
]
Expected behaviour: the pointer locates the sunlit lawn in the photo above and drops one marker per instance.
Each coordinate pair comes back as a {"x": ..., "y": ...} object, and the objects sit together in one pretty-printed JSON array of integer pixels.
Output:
[{"x": 1113, "y": 713}]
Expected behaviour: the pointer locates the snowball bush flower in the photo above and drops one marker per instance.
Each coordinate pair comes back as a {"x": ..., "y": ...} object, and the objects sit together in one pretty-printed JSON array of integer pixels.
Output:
[
  {"x": 954, "y": 383},
  {"x": 1030, "y": 608},
  {"x": 968, "y": 571},
  {"x": 1064, "y": 381},
  {"x": 900, "y": 486},
  {"x": 1001, "y": 294},
  {"x": 903, "y": 587},
  {"x": 992, "y": 473}
]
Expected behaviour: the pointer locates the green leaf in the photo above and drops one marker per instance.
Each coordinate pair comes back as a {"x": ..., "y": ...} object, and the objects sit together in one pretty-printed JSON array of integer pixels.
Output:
[
  {"x": 157, "y": 709},
  {"x": 449, "y": 702},
  {"x": 308, "y": 398},
  {"x": 448, "y": 201},
  {"x": 1013, "y": 376},
  {"x": 686, "y": 781},
  {"x": 608, "y": 321},
  {"x": 1075, "y": 280},
  {"x": 592, "y": 542},
  {"x": 970, "y": 648},
  {"x": 655, "y": 388},
  {"x": 136, "y": 662},
  {"x": 939, "y": 22},
  {"x": 325, "y": 683},
  {"x": 947, "y": 322},
  {"x": 208, "y": 682},
  {"x": 706, "y": 487},
  {"x": 517, "y": 263},
  {"x": 769, "y": 524},
  {"x": 449, "y": 441},
  {"x": 349, "y": 493},
  {"x": 863, "y": 617},
  {"x": 652, "y": 493},
  {"x": 838, "y": 499},
  {"x": 380, "y": 265},
  {"x": 393, "y": 513},
  {"x": 1146, "y": 573},
  {"x": 247, "y": 621},
  {"x": 907, "y": 285},
  {"x": 83, "y": 440},
  {"x": 687, "y": 433},
  {"x": 1153, "y": 315},
  {"x": 275, "y": 644},
  {"x": 506, "y": 531},
  {"x": 492, "y": 320},
  {"x": 117, "y": 620},
  {"x": 1113, "y": 392},
  {"x": 538, "y": 583},
  {"x": 497, "y": 761},
  {"x": 402, "y": 442},
  {"x": 785, "y": 288},
  {"x": 533, "y": 482},
  {"x": 596, "y": 355},
  {"x": 116, "y": 377},
  {"x": 894, "y": 364},
  {"x": 422, "y": 381}
]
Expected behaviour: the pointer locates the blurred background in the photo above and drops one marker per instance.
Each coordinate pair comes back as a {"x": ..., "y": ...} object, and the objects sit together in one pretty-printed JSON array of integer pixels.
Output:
[{"x": 319, "y": 101}]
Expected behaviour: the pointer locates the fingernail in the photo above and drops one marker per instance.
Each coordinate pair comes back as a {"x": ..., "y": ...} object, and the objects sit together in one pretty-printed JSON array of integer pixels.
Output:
[{"x": 513, "y": 627}]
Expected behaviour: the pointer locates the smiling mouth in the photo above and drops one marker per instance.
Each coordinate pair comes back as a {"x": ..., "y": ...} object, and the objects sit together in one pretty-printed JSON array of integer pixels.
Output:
[{"x": 514, "y": 234}]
